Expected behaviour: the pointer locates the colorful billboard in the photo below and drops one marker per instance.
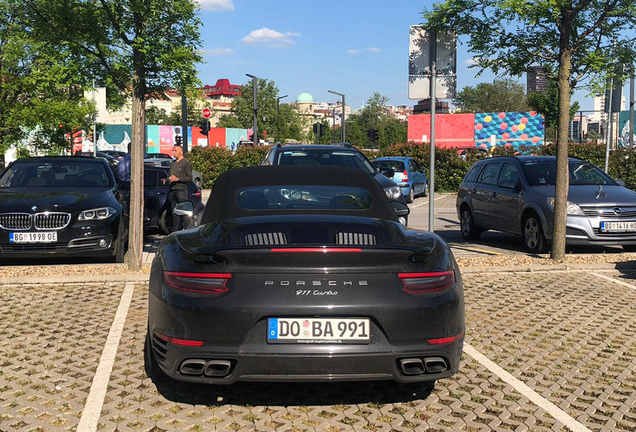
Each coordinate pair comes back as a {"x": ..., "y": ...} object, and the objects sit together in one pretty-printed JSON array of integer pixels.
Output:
[
  {"x": 509, "y": 129},
  {"x": 483, "y": 130}
]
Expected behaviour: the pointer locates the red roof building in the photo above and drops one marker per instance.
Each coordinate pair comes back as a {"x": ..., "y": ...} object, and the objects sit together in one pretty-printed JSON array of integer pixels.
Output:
[{"x": 222, "y": 88}]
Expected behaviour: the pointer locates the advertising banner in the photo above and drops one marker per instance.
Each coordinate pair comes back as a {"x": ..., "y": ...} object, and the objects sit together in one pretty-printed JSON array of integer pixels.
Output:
[
  {"x": 451, "y": 130},
  {"x": 509, "y": 129}
]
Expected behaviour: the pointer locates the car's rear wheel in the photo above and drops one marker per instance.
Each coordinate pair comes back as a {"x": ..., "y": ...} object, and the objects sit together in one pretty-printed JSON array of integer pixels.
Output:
[
  {"x": 411, "y": 196},
  {"x": 150, "y": 361},
  {"x": 533, "y": 235},
  {"x": 467, "y": 225}
]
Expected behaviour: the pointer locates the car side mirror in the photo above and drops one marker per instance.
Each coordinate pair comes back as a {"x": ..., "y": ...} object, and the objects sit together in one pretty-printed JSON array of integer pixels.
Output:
[
  {"x": 401, "y": 210},
  {"x": 620, "y": 183},
  {"x": 185, "y": 208}
]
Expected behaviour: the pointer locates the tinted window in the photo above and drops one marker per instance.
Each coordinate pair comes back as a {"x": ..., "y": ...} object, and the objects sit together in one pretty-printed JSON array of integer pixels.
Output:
[
  {"x": 150, "y": 178},
  {"x": 311, "y": 197},
  {"x": 394, "y": 165},
  {"x": 509, "y": 173},
  {"x": 62, "y": 173},
  {"x": 472, "y": 174},
  {"x": 489, "y": 174},
  {"x": 543, "y": 172},
  {"x": 343, "y": 158}
]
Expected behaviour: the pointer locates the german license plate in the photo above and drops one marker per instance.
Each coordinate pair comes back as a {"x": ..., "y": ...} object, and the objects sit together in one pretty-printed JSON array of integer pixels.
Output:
[
  {"x": 33, "y": 237},
  {"x": 318, "y": 330},
  {"x": 616, "y": 227}
]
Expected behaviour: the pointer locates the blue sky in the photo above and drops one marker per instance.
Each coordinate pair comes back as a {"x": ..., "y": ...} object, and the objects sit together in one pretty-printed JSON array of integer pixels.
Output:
[{"x": 354, "y": 47}]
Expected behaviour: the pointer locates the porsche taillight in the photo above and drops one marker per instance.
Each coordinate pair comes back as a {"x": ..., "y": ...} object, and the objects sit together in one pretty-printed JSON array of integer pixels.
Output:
[
  {"x": 417, "y": 283},
  {"x": 200, "y": 283}
]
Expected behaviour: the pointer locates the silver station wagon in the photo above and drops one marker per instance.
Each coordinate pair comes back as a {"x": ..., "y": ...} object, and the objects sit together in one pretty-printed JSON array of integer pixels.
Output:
[{"x": 516, "y": 195}]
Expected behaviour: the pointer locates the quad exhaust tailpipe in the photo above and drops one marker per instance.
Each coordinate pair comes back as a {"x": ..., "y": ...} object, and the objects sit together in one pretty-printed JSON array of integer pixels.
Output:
[
  {"x": 421, "y": 366},
  {"x": 209, "y": 368}
]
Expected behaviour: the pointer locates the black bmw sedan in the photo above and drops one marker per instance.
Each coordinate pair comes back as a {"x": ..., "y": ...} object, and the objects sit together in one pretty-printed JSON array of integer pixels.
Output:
[
  {"x": 303, "y": 274},
  {"x": 62, "y": 206}
]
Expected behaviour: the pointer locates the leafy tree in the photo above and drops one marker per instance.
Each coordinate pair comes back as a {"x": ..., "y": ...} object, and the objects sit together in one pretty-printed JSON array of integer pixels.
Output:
[
  {"x": 502, "y": 95},
  {"x": 575, "y": 38},
  {"x": 229, "y": 121},
  {"x": 41, "y": 87},
  {"x": 547, "y": 103},
  {"x": 156, "y": 116},
  {"x": 139, "y": 47}
]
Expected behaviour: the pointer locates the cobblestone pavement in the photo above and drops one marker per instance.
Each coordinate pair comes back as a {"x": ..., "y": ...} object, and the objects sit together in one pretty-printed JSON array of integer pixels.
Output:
[{"x": 568, "y": 336}]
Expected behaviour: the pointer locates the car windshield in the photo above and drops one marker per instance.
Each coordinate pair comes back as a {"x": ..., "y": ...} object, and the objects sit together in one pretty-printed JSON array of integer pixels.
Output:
[
  {"x": 311, "y": 197},
  {"x": 543, "y": 173},
  {"x": 56, "y": 174},
  {"x": 341, "y": 158},
  {"x": 393, "y": 164}
]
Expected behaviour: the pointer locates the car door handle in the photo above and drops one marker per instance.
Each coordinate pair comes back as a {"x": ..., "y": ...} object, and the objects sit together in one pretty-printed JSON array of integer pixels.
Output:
[
  {"x": 159, "y": 193},
  {"x": 494, "y": 195}
]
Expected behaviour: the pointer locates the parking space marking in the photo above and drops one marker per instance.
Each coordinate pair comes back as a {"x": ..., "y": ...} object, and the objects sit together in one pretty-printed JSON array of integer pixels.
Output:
[
  {"x": 95, "y": 400},
  {"x": 526, "y": 391},
  {"x": 474, "y": 249},
  {"x": 427, "y": 200},
  {"x": 611, "y": 279}
]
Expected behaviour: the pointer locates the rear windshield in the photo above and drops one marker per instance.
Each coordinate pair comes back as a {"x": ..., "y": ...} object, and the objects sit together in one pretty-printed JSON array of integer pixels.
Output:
[
  {"x": 80, "y": 174},
  {"x": 311, "y": 197},
  {"x": 394, "y": 165},
  {"x": 543, "y": 173},
  {"x": 341, "y": 158}
]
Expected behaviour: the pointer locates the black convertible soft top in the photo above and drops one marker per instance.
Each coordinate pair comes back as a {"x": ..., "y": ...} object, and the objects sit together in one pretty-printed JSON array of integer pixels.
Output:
[{"x": 222, "y": 203}]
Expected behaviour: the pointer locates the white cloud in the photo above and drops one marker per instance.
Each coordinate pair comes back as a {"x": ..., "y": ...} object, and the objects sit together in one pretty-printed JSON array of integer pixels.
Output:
[
  {"x": 471, "y": 61},
  {"x": 270, "y": 38},
  {"x": 220, "y": 52},
  {"x": 216, "y": 5},
  {"x": 375, "y": 50},
  {"x": 352, "y": 51}
]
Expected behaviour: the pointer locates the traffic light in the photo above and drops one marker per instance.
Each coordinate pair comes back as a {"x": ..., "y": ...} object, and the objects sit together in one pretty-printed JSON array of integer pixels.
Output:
[
  {"x": 205, "y": 126},
  {"x": 372, "y": 134},
  {"x": 179, "y": 140},
  {"x": 316, "y": 125}
]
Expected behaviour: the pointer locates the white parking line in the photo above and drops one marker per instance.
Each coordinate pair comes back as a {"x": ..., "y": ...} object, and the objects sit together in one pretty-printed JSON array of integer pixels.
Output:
[
  {"x": 526, "y": 391},
  {"x": 617, "y": 281},
  {"x": 426, "y": 203},
  {"x": 95, "y": 400}
]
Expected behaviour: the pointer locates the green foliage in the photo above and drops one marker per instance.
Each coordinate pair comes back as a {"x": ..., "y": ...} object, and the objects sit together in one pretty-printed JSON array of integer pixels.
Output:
[
  {"x": 450, "y": 169},
  {"x": 156, "y": 116},
  {"x": 374, "y": 115},
  {"x": 503, "y": 95},
  {"x": 547, "y": 103},
  {"x": 41, "y": 87}
]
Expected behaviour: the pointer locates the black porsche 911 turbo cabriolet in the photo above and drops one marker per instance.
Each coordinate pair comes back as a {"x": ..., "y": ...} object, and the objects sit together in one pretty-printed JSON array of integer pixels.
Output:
[{"x": 303, "y": 274}]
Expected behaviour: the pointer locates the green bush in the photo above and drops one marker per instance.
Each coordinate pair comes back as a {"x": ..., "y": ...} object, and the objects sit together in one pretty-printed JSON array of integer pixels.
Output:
[{"x": 450, "y": 169}]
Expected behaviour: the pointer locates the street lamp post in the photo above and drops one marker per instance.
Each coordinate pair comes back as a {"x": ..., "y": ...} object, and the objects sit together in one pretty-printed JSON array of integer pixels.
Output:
[
  {"x": 278, "y": 105},
  {"x": 342, "y": 122},
  {"x": 255, "y": 128}
]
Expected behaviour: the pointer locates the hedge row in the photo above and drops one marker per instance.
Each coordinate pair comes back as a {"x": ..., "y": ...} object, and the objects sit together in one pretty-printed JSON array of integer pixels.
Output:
[{"x": 450, "y": 168}]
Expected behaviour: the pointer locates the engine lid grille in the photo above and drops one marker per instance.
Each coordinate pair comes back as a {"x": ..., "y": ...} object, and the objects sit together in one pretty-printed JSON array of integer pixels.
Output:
[
  {"x": 265, "y": 239},
  {"x": 353, "y": 238}
]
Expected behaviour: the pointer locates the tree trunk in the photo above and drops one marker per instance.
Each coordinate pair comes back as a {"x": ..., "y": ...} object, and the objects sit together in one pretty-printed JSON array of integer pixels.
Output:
[
  {"x": 138, "y": 146},
  {"x": 562, "y": 170}
]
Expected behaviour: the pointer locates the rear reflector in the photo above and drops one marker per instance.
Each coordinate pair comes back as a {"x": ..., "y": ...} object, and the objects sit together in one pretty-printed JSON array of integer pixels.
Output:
[
  {"x": 197, "y": 193},
  {"x": 417, "y": 283},
  {"x": 200, "y": 283},
  {"x": 446, "y": 340},
  {"x": 324, "y": 250},
  {"x": 175, "y": 341}
]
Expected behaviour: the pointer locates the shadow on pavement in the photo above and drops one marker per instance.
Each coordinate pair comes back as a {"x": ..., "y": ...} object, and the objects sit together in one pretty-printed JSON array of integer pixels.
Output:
[{"x": 294, "y": 394}]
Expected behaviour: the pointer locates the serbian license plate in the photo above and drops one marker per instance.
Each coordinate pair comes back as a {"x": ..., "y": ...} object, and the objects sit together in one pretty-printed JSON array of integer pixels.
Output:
[
  {"x": 33, "y": 237},
  {"x": 616, "y": 227},
  {"x": 318, "y": 330}
]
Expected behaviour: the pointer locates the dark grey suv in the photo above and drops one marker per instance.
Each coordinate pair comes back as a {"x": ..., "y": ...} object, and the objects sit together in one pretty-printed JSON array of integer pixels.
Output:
[{"x": 516, "y": 195}]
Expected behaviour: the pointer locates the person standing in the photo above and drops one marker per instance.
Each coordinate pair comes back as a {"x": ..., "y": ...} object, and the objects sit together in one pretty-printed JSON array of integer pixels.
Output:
[
  {"x": 123, "y": 168},
  {"x": 180, "y": 173}
]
